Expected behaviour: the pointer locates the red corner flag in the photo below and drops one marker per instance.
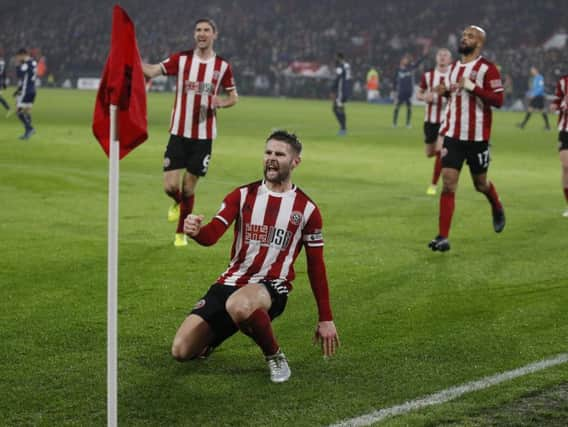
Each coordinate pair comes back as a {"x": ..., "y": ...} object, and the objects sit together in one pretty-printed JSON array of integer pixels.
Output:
[{"x": 122, "y": 85}]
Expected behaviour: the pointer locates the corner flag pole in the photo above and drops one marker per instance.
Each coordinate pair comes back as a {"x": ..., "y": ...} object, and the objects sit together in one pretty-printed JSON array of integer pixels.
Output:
[{"x": 112, "y": 269}]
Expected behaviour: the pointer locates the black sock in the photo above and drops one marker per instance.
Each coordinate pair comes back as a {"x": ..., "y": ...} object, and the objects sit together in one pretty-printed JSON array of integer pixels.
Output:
[
  {"x": 395, "y": 115},
  {"x": 4, "y": 103},
  {"x": 545, "y": 117},
  {"x": 526, "y": 119}
]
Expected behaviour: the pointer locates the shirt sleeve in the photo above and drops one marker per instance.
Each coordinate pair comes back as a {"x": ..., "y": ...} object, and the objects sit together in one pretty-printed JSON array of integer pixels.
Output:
[
  {"x": 170, "y": 66},
  {"x": 423, "y": 84},
  {"x": 212, "y": 232},
  {"x": 228, "y": 80},
  {"x": 312, "y": 233},
  {"x": 492, "y": 80}
]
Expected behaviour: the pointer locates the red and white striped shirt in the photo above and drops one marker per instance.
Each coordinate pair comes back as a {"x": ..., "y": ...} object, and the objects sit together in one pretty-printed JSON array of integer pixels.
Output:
[
  {"x": 198, "y": 80},
  {"x": 269, "y": 233},
  {"x": 561, "y": 102},
  {"x": 468, "y": 115},
  {"x": 430, "y": 80}
]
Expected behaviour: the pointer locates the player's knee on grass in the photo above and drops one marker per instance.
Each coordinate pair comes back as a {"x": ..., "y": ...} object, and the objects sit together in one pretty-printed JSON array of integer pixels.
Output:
[{"x": 182, "y": 352}]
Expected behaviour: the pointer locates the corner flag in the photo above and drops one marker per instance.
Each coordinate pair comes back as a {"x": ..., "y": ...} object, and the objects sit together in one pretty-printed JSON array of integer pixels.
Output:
[
  {"x": 122, "y": 85},
  {"x": 120, "y": 125}
]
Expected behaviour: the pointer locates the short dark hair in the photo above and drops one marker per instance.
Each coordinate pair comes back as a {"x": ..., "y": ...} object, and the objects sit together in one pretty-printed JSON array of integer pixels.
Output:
[
  {"x": 340, "y": 56},
  {"x": 22, "y": 51},
  {"x": 287, "y": 137},
  {"x": 207, "y": 20}
]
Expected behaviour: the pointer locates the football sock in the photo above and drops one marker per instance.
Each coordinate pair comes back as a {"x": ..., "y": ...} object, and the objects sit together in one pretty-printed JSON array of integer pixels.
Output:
[
  {"x": 493, "y": 198},
  {"x": 447, "y": 205},
  {"x": 24, "y": 119},
  {"x": 4, "y": 103},
  {"x": 408, "y": 114},
  {"x": 340, "y": 115},
  {"x": 566, "y": 194},
  {"x": 437, "y": 168},
  {"x": 526, "y": 119},
  {"x": 185, "y": 208},
  {"x": 395, "y": 115},
  {"x": 545, "y": 117},
  {"x": 259, "y": 327},
  {"x": 29, "y": 120}
]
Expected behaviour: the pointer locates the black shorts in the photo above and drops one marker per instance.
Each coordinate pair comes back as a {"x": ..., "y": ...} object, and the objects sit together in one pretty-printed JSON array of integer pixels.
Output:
[
  {"x": 537, "y": 102},
  {"x": 191, "y": 154},
  {"x": 211, "y": 307},
  {"x": 562, "y": 140},
  {"x": 431, "y": 132},
  {"x": 475, "y": 153}
]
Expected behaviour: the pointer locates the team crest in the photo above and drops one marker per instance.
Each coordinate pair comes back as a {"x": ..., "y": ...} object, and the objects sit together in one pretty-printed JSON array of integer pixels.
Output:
[
  {"x": 199, "y": 304},
  {"x": 167, "y": 162},
  {"x": 473, "y": 75},
  {"x": 296, "y": 217},
  {"x": 216, "y": 75}
]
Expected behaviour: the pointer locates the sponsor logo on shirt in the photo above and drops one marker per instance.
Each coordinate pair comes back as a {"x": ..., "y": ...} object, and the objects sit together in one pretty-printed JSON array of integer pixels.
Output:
[
  {"x": 268, "y": 236},
  {"x": 200, "y": 88}
]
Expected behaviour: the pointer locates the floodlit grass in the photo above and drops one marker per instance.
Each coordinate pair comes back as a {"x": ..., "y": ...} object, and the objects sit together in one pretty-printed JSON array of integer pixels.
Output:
[{"x": 412, "y": 322}]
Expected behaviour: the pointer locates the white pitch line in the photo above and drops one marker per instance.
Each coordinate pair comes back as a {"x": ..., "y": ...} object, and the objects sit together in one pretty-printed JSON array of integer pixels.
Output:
[{"x": 451, "y": 393}]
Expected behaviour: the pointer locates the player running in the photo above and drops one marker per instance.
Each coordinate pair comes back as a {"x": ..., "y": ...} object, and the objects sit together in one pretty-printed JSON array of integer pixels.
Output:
[
  {"x": 201, "y": 73},
  {"x": 433, "y": 112},
  {"x": 273, "y": 220},
  {"x": 535, "y": 97},
  {"x": 560, "y": 105},
  {"x": 475, "y": 87},
  {"x": 25, "y": 94}
]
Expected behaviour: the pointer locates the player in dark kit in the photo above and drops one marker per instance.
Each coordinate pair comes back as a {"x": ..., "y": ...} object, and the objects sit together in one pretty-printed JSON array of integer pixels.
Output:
[
  {"x": 404, "y": 87},
  {"x": 341, "y": 91},
  {"x": 3, "y": 83},
  {"x": 274, "y": 220},
  {"x": 26, "y": 92}
]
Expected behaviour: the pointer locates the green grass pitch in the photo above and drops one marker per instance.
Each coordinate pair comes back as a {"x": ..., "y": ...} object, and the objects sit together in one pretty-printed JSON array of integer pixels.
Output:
[{"x": 412, "y": 322}]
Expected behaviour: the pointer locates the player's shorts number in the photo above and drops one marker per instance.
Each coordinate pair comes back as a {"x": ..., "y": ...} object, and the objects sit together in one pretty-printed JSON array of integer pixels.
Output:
[{"x": 483, "y": 159}]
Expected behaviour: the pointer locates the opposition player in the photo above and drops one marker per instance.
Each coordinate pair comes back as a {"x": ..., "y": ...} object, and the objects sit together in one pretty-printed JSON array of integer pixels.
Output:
[
  {"x": 536, "y": 99},
  {"x": 26, "y": 92},
  {"x": 404, "y": 87},
  {"x": 475, "y": 87},
  {"x": 433, "y": 112},
  {"x": 273, "y": 220},
  {"x": 3, "y": 83},
  {"x": 560, "y": 105},
  {"x": 201, "y": 74},
  {"x": 341, "y": 91}
]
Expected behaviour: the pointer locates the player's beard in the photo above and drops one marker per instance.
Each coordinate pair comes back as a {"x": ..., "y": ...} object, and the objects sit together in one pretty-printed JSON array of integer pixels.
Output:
[
  {"x": 283, "y": 174},
  {"x": 465, "y": 50}
]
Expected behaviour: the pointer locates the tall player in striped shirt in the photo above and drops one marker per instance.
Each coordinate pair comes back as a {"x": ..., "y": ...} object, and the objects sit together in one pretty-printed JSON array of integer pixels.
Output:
[
  {"x": 201, "y": 74},
  {"x": 475, "y": 87},
  {"x": 434, "y": 110},
  {"x": 273, "y": 220},
  {"x": 560, "y": 105}
]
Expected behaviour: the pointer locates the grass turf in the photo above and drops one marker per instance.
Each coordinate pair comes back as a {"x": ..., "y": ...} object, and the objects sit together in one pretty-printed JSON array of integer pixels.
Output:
[{"x": 411, "y": 321}]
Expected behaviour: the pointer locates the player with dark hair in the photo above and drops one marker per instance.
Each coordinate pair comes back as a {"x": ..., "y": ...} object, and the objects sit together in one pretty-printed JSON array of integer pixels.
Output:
[
  {"x": 201, "y": 74},
  {"x": 560, "y": 105},
  {"x": 404, "y": 87},
  {"x": 536, "y": 99},
  {"x": 434, "y": 111},
  {"x": 3, "y": 83},
  {"x": 273, "y": 220},
  {"x": 474, "y": 87},
  {"x": 341, "y": 91},
  {"x": 26, "y": 92}
]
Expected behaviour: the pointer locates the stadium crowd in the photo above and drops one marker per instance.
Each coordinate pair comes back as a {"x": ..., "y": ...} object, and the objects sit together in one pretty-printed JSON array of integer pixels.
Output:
[{"x": 261, "y": 38}]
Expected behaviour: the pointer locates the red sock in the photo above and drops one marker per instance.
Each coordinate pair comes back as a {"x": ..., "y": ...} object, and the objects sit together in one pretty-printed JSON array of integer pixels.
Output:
[
  {"x": 185, "y": 208},
  {"x": 566, "y": 194},
  {"x": 437, "y": 169},
  {"x": 447, "y": 204},
  {"x": 493, "y": 198},
  {"x": 259, "y": 327},
  {"x": 177, "y": 196}
]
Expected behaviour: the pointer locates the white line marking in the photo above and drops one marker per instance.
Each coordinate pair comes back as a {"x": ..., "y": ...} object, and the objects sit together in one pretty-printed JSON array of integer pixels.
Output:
[{"x": 451, "y": 393}]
